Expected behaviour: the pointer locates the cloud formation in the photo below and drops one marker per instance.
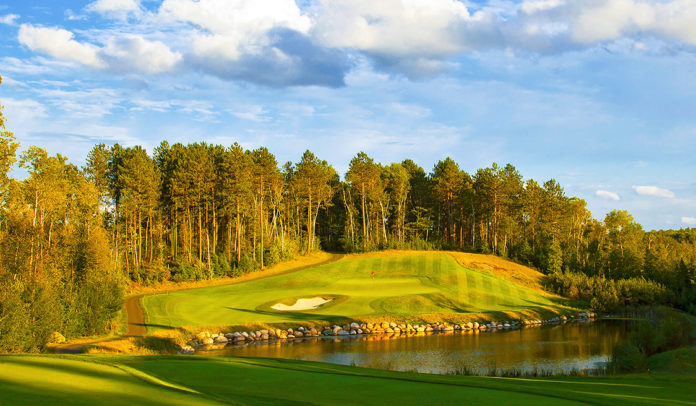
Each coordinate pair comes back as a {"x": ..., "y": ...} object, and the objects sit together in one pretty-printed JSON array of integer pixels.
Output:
[
  {"x": 607, "y": 195},
  {"x": 9, "y": 19},
  {"x": 653, "y": 191},
  {"x": 689, "y": 220},
  {"x": 313, "y": 44},
  {"x": 125, "y": 54},
  {"x": 118, "y": 9}
]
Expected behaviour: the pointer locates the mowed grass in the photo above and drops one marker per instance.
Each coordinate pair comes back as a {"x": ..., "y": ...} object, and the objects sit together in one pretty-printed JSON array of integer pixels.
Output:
[
  {"x": 409, "y": 286},
  {"x": 193, "y": 380}
]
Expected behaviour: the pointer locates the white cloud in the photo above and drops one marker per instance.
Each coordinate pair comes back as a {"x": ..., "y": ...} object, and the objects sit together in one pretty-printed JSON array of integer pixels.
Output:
[
  {"x": 607, "y": 194},
  {"x": 133, "y": 53},
  {"x": 689, "y": 220},
  {"x": 119, "y": 9},
  {"x": 8, "y": 19},
  {"x": 408, "y": 34},
  {"x": 59, "y": 44},
  {"x": 252, "y": 113},
  {"x": 126, "y": 53},
  {"x": 230, "y": 28},
  {"x": 653, "y": 191}
]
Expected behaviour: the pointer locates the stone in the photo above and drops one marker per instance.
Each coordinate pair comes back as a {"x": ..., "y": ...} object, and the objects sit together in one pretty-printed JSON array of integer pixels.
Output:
[
  {"x": 298, "y": 334},
  {"x": 290, "y": 336},
  {"x": 360, "y": 331},
  {"x": 475, "y": 325},
  {"x": 354, "y": 326},
  {"x": 208, "y": 341},
  {"x": 384, "y": 325},
  {"x": 220, "y": 340},
  {"x": 353, "y": 332},
  {"x": 342, "y": 332}
]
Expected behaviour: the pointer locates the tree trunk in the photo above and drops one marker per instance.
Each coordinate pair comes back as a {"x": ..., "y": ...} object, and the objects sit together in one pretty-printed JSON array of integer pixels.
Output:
[{"x": 310, "y": 234}]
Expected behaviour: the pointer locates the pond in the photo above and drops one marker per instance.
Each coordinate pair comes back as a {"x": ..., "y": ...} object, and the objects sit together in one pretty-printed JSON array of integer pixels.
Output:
[{"x": 581, "y": 346}]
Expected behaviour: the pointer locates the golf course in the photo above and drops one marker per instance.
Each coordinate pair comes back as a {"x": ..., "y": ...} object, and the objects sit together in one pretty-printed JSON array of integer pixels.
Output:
[
  {"x": 404, "y": 286},
  {"x": 194, "y": 380}
]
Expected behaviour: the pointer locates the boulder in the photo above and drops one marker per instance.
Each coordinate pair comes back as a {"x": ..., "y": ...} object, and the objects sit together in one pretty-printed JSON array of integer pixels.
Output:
[
  {"x": 298, "y": 334},
  {"x": 354, "y": 326},
  {"x": 220, "y": 340},
  {"x": 208, "y": 341},
  {"x": 353, "y": 332},
  {"x": 342, "y": 332}
]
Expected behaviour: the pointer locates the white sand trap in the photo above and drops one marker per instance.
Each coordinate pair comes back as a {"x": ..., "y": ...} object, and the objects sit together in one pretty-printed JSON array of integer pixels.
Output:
[{"x": 302, "y": 304}]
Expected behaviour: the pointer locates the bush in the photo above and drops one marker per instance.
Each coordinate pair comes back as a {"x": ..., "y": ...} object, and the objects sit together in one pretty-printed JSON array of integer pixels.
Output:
[
  {"x": 628, "y": 357},
  {"x": 661, "y": 329}
]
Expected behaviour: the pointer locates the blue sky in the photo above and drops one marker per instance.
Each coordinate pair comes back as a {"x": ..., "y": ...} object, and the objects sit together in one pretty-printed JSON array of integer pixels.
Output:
[{"x": 598, "y": 94}]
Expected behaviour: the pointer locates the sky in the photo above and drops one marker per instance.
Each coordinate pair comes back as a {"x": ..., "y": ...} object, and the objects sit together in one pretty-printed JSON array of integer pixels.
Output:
[{"x": 597, "y": 94}]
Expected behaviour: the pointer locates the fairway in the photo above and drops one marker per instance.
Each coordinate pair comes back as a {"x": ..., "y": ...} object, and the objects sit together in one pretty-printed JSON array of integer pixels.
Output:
[
  {"x": 405, "y": 285},
  {"x": 193, "y": 380}
]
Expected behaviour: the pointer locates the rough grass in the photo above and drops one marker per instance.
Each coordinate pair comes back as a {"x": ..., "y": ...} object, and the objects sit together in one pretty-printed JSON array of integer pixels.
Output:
[
  {"x": 193, "y": 380},
  {"x": 407, "y": 286}
]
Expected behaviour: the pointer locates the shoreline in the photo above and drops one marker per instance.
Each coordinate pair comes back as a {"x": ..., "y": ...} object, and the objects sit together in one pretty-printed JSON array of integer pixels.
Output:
[{"x": 206, "y": 341}]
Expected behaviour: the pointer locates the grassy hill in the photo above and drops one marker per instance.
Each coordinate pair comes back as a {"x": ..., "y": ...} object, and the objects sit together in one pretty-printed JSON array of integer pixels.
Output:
[
  {"x": 410, "y": 286},
  {"x": 194, "y": 380}
]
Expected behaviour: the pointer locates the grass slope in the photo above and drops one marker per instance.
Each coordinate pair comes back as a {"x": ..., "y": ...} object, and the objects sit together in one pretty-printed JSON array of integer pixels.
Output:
[
  {"x": 407, "y": 286},
  {"x": 253, "y": 381}
]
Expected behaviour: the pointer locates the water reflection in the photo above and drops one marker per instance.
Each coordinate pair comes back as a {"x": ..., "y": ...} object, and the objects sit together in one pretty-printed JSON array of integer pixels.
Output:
[{"x": 573, "y": 346}]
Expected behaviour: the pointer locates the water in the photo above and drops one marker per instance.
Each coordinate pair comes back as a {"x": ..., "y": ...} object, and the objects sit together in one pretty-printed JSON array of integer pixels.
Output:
[{"x": 560, "y": 348}]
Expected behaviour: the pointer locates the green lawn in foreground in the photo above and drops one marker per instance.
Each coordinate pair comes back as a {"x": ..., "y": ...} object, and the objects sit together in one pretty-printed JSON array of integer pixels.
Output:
[
  {"x": 405, "y": 285},
  {"x": 193, "y": 380}
]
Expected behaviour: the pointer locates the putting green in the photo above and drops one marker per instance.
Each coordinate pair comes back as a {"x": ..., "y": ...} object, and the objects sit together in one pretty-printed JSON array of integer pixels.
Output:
[{"x": 405, "y": 285}]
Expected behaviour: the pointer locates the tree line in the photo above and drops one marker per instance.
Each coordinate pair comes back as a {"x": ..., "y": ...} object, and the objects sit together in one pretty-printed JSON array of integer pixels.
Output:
[{"x": 71, "y": 238}]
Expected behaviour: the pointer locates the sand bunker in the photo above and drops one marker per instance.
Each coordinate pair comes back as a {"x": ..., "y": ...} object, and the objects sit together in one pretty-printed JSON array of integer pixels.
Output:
[{"x": 302, "y": 304}]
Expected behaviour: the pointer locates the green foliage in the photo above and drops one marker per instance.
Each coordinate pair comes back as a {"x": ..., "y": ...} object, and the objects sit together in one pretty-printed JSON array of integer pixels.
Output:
[
  {"x": 607, "y": 295},
  {"x": 658, "y": 330}
]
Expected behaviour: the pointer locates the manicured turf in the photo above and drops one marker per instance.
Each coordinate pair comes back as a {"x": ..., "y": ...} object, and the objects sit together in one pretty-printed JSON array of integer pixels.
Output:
[
  {"x": 153, "y": 380},
  {"x": 406, "y": 285}
]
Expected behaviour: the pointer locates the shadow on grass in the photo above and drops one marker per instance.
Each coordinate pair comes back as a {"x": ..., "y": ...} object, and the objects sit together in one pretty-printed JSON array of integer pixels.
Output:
[
  {"x": 296, "y": 316},
  {"x": 100, "y": 384}
]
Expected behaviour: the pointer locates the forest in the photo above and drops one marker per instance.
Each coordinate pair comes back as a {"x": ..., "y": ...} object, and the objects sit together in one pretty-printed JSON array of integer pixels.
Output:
[{"x": 73, "y": 238}]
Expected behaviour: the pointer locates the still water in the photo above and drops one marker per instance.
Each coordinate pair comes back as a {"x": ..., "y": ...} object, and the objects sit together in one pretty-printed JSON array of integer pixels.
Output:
[{"x": 566, "y": 347}]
